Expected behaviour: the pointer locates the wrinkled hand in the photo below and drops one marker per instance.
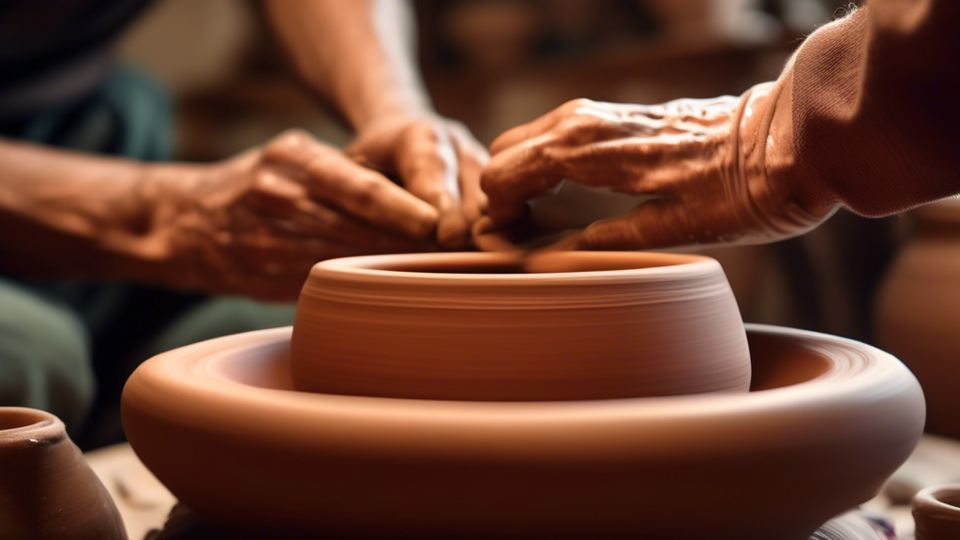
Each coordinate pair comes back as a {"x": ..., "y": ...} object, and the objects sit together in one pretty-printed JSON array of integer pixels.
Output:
[
  {"x": 255, "y": 224},
  {"x": 437, "y": 160},
  {"x": 715, "y": 176}
]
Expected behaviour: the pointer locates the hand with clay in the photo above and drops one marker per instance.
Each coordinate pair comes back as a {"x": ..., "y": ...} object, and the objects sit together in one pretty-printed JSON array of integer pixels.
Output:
[
  {"x": 251, "y": 225},
  {"x": 256, "y": 223},
  {"x": 862, "y": 118},
  {"x": 688, "y": 155},
  {"x": 436, "y": 159},
  {"x": 358, "y": 56}
]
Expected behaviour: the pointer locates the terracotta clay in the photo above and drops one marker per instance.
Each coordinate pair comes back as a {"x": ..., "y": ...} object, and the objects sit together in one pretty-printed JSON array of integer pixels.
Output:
[
  {"x": 47, "y": 491},
  {"x": 936, "y": 512},
  {"x": 826, "y": 422},
  {"x": 495, "y": 326},
  {"x": 918, "y": 309}
]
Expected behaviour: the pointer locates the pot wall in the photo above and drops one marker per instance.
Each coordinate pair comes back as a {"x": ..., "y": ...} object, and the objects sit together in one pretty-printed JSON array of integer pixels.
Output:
[
  {"x": 585, "y": 326},
  {"x": 47, "y": 490}
]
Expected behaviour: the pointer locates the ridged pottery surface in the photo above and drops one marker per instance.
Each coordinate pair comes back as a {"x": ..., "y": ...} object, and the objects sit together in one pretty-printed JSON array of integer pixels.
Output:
[
  {"x": 919, "y": 308},
  {"x": 47, "y": 490},
  {"x": 826, "y": 422},
  {"x": 936, "y": 512},
  {"x": 493, "y": 326}
]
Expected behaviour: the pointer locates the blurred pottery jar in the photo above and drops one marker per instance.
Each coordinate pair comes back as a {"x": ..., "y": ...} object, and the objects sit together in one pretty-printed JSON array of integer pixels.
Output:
[
  {"x": 936, "y": 512},
  {"x": 918, "y": 312},
  {"x": 47, "y": 490}
]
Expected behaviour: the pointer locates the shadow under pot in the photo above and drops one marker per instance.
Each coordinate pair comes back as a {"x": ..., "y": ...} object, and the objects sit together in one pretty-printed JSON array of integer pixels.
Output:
[{"x": 48, "y": 489}]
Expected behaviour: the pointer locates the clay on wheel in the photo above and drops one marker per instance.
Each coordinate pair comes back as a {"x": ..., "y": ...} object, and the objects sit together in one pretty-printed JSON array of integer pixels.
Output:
[
  {"x": 486, "y": 326},
  {"x": 826, "y": 422}
]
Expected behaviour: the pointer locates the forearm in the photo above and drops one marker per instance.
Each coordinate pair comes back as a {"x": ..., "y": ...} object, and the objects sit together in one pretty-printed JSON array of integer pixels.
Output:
[
  {"x": 357, "y": 54},
  {"x": 65, "y": 214},
  {"x": 865, "y": 115}
]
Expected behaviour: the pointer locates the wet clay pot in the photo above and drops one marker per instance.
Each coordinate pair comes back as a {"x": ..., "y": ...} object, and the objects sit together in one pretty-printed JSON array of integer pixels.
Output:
[
  {"x": 494, "y": 326},
  {"x": 827, "y": 420},
  {"x": 936, "y": 512},
  {"x": 47, "y": 491},
  {"x": 918, "y": 310}
]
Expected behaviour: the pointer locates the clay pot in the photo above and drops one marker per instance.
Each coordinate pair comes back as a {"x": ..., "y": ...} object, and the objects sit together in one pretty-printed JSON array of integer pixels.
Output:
[
  {"x": 936, "y": 512},
  {"x": 826, "y": 422},
  {"x": 918, "y": 309},
  {"x": 46, "y": 488},
  {"x": 493, "y": 326}
]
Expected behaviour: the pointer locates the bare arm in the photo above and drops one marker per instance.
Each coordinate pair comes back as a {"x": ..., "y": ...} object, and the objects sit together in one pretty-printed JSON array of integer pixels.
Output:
[
  {"x": 70, "y": 214},
  {"x": 253, "y": 224},
  {"x": 358, "y": 55},
  {"x": 864, "y": 117}
]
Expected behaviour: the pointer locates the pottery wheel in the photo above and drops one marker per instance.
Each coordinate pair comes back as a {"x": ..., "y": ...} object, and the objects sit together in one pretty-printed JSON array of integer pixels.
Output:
[
  {"x": 145, "y": 504},
  {"x": 185, "y": 525}
]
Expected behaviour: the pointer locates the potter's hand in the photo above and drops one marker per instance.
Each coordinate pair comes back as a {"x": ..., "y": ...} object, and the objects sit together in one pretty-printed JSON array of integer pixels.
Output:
[
  {"x": 714, "y": 175},
  {"x": 436, "y": 159},
  {"x": 256, "y": 223}
]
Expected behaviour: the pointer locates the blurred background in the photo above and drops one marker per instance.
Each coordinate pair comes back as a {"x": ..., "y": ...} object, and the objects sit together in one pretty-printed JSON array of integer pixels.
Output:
[{"x": 495, "y": 64}]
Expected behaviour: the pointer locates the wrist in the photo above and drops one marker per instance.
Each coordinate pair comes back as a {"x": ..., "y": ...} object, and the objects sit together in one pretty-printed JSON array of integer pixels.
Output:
[
  {"x": 384, "y": 111},
  {"x": 767, "y": 157},
  {"x": 145, "y": 250}
]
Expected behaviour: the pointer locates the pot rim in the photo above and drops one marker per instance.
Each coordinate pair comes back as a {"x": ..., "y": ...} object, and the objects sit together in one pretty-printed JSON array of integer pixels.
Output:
[
  {"x": 32, "y": 426},
  {"x": 374, "y": 268},
  {"x": 933, "y": 497}
]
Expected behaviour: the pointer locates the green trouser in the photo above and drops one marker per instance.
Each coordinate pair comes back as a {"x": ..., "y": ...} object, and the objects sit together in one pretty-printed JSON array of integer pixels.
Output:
[
  {"x": 68, "y": 347},
  {"x": 44, "y": 355}
]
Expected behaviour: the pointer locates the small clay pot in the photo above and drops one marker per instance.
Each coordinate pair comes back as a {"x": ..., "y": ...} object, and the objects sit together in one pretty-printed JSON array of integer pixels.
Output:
[
  {"x": 826, "y": 422},
  {"x": 936, "y": 512},
  {"x": 46, "y": 488},
  {"x": 495, "y": 326}
]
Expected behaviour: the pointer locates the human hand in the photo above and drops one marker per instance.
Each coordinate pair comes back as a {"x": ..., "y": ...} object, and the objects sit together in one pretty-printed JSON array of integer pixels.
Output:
[
  {"x": 437, "y": 160},
  {"x": 256, "y": 223},
  {"x": 714, "y": 168}
]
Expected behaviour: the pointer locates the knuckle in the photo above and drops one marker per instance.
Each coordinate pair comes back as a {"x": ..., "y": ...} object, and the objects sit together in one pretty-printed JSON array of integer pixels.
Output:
[
  {"x": 293, "y": 138},
  {"x": 578, "y": 103},
  {"x": 366, "y": 194},
  {"x": 262, "y": 181}
]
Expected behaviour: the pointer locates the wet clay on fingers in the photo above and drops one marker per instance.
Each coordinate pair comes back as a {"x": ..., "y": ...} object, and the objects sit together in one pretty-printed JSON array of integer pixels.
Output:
[
  {"x": 47, "y": 490},
  {"x": 496, "y": 326},
  {"x": 221, "y": 424}
]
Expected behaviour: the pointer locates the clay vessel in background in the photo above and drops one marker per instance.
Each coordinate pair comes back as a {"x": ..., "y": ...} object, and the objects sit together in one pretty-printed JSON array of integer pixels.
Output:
[
  {"x": 918, "y": 312},
  {"x": 493, "y": 326},
  {"x": 936, "y": 512},
  {"x": 826, "y": 422},
  {"x": 47, "y": 491}
]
